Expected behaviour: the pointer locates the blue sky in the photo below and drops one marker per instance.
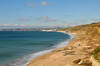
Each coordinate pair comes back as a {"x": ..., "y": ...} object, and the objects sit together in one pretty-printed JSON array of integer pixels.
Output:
[{"x": 49, "y": 12}]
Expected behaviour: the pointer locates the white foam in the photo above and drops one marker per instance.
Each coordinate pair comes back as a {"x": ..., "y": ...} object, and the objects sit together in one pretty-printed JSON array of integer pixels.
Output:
[{"x": 26, "y": 59}]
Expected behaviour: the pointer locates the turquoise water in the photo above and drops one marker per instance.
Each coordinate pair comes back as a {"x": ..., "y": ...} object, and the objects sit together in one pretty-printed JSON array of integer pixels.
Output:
[{"x": 17, "y": 44}]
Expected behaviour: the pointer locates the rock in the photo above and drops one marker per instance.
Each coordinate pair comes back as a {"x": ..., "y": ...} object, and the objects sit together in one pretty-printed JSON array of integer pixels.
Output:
[
  {"x": 82, "y": 62},
  {"x": 69, "y": 53},
  {"x": 77, "y": 61},
  {"x": 85, "y": 62}
]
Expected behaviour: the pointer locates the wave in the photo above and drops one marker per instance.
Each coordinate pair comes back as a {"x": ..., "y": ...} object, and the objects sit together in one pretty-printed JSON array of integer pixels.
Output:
[{"x": 26, "y": 59}]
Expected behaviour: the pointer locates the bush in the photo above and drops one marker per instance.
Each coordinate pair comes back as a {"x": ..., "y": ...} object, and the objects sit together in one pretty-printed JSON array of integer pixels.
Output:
[{"x": 96, "y": 53}]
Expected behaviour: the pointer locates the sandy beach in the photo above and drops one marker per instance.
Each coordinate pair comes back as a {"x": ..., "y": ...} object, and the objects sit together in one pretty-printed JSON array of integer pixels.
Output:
[
  {"x": 76, "y": 53},
  {"x": 49, "y": 32},
  {"x": 63, "y": 56}
]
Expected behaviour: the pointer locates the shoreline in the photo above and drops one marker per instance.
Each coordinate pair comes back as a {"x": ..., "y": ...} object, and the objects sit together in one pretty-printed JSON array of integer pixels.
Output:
[
  {"x": 23, "y": 61},
  {"x": 57, "y": 49},
  {"x": 78, "y": 51},
  {"x": 72, "y": 54},
  {"x": 51, "y": 50}
]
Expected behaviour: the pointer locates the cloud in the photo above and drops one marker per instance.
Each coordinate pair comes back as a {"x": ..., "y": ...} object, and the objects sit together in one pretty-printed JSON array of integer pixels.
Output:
[
  {"x": 44, "y": 3},
  {"x": 25, "y": 0},
  {"x": 30, "y": 4},
  {"x": 46, "y": 18},
  {"x": 24, "y": 19},
  {"x": 95, "y": 19}
]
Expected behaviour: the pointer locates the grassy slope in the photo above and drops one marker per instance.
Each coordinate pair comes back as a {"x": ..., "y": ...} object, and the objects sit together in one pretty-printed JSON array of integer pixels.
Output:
[{"x": 91, "y": 31}]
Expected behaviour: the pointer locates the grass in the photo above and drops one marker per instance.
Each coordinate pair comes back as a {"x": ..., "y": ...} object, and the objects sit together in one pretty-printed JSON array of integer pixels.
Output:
[
  {"x": 96, "y": 53},
  {"x": 91, "y": 30}
]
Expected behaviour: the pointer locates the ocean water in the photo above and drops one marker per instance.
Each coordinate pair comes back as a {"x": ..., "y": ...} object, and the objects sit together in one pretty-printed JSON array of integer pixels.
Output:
[{"x": 18, "y": 47}]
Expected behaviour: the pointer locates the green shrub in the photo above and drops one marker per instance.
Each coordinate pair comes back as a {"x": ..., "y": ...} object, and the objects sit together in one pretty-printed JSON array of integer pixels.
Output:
[{"x": 95, "y": 53}]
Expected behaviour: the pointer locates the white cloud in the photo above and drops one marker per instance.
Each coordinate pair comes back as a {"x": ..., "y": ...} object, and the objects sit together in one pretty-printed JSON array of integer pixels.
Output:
[
  {"x": 44, "y": 3},
  {"x": 95, "y": 19},
  {"x": 24, "y": 19},
  {"x": 46, "y": 18},
  {"x": 30, "y": 4}
]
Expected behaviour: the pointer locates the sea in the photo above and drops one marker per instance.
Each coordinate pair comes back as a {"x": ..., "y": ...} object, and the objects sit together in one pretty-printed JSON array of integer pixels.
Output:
[{"x": 17, "y": 48}]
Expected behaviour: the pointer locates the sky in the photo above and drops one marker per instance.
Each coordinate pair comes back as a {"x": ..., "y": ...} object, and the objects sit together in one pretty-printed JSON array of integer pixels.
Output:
[{"x": 49, "y": 12}]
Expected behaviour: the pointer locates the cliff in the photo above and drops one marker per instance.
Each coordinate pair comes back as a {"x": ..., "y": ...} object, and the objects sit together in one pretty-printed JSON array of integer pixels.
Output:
[{"x": 78, "y": 52}]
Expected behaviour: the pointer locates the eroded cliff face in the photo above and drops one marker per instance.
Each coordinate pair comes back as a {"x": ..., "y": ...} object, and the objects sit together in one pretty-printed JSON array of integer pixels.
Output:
[{"x": 88, "y": 35}]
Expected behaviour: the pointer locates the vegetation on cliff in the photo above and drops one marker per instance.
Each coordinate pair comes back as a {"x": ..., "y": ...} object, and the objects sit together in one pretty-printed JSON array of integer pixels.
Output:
[
  {"x": 89, "y": 29},
  {"x": 96, "y": 53},
  {"x": 91, "y": 34}
]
